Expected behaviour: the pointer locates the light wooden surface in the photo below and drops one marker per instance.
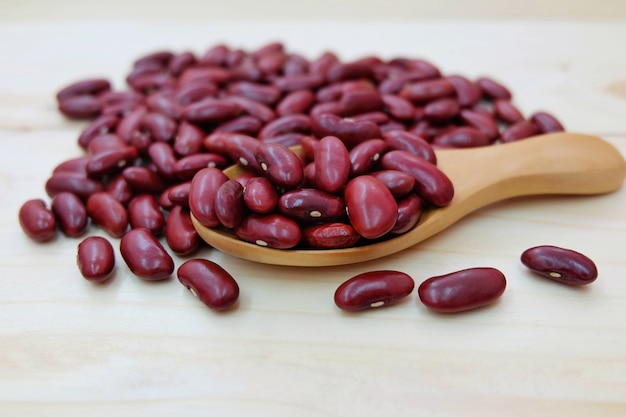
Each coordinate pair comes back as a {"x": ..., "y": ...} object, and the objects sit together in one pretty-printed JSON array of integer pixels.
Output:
[{"x": 131, "y": 348}]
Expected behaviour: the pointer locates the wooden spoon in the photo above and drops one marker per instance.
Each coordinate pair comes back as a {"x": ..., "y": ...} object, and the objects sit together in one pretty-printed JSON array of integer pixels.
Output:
[{"x": 557, "y": 163}]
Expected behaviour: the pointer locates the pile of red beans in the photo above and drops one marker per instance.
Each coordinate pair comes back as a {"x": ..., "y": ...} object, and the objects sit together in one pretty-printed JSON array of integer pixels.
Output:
[{"x": 154, "y": 153}]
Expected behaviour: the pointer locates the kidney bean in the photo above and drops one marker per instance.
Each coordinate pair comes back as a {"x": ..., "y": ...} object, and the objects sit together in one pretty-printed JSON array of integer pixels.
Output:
[
  {"x": 295, "y": 82},
  {"x": 204, "y": 186},
  {"x": 37, "y": 221},
  {"x": 105, "y": 142},
  {"x": 90, "y": 87},
  {"x": 163, "y": 158},
  {"x": 332, "y": 164},
  {"x": 95, "y": 259},
  {"x": 559, "y": 264},
  {"x": 111, "y": 161},
  {"x": 350, "y": 132},
  {"x": 398, "y": 182},
  {"x": 180, "y": 62},
  {"x": 108, "y": 213},
  {"x": 269, "y": 230},
  {"x": 113, "y": 98},
  {"x": 205, "y": 75},
  {"x": 398, "y": 107},
  {"x": 161, "y": 127},
  {"x": 396, "y": 83},
  {"x": 74, "y": 165},
  {"x": 80, "y": 107},
  {"x": 409, "y": 213},
  {"x": 546, "y": 123},
  {"x": 376, "y": 117},
  {"x": 211, "y": 110},
  {"x": 73, "y": 182},
  {"x": 323, "y": 63},
  {"x": 100, "y": 126},
  {"x": 519, "y": 130},
  {"x": 272, "y": 63},
  {"x": 144, "y": 212},
  {"x": 462, "y": 137},
  {"x": 208, "y": 281},
  {"x": 431, "y": 184},
  {"x": 467, "y": 92},
  {"x": 248, "y": 125},
  {"x": 266, "y": 94},
  {"x": 254, "y": 108},
  {"x": 506, "y": 111},
  {"x": 371, "y": 207},
  {"x": 296, "y": 65},
  {"x": 185, "y": 168},
  {"x": 192, "y": 93},
  {"x": 360, "y": 101},
  {"x": 308, "y": 145},
  {"x": 349, "y": 71},
  {"x": 365, "y": 156},
  {"x": 373, "y": 289},
  {"x": 425, "y": 91},
  {"x": 493, "y": 89},
  {"x": 310, "y": 204},
  {"x": 331, "y": 107},
  {"x": 484, "y": 123},
  {"x": 286, "y": 124},
  {"x": 242, "y": 149},
  {"x": 410, "y": 142},
  {"x": 158, "y": 58},
  {"x": 330, "y": 236},
  {"x": 330, "y": 92},
  {"x": 128, "y": 127},
  {"x": 143, "y": 180},
  {"x": 280, "y": 164},
  {"x": 152, "y": 82},
  {"x": 180, "y": 234},
  {"x": 296, "y": 102},
  {"x": 260, "y": 195},
  {"x": 287, "y": 139},
  {"x": 428, "y": 131},
  {"x": 145, "y": 256},
  {"x": 71, "y": 214},
  {"x": 229, "y": 203},
  {"x": 178, "y": 195},
  {"x": 119, "y": 189},
  {"x": 441, "y": 110}
]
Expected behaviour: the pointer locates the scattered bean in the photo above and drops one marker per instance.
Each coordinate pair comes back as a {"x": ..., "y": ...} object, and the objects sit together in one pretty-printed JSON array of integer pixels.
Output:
[
  {"x": 559, "y": 264},
  {"x": 373, "y": 289},
  {"x": 95, "y": 259}
]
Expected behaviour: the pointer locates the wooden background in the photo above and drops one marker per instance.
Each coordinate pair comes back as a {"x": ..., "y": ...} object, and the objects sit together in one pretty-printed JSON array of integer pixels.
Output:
[{"x": 130, "y": 348}]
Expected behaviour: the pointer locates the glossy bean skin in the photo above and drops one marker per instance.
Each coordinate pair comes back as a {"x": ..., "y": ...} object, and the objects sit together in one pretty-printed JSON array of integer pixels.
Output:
[
  {"x": 74, "y": 165},
  {"x": 484, "y": 123},
  {"x": 269, "y": 230},
  {"x": 493, "y": 89},
  {"x": 91, "y": 86},
  {"x": 349, "y": 131},
  {"x": 462, "y": 137},
  {"x": 95, "y": 259},
  {"x": 73, "y": 182},
  {"x": 178, "y": 194},
  {"x": 211, "y": 110},
  {"x": 204, "y": 186},
  {"x": 399, "y": 183},
  {"x": 309, "y": 204},
  {"x": 546, "y": 123},
  {"x": 462, "y": 290},
  {"x": 144, "y": 212},
  {"x": 101, "y": 125},
  {"x": 185, "y": 168},
  {"x": 180, "y": 234},
  {"x": 360, "y": 101},
  {"x": 108, "y": 213},
  {"x": 519, "y": 130},
  {"x": 71, "y": 214},
  {"x": 366, "y": 155},
  {"x": 160, "y": 127},
  {"x": 145, "y": 256},
  {"x": 110, "y": 161},
  {"x": 260, "y": 195},
  {"x": 144, "y": 180},
  {"x": 297, "y": 102},
  {"x": 332, "y": 164},
  {"x": 330, "y": 236},
  {"x": 80, "y": 107},
  {"x": 409, "y": 213},
  {"x": 188, "y": 140},
  {"x": 441, "y": 110},
  {"x": 37, "y": 221},
  {"x": 105, "y": 142},
  {"x": 211, "y": 283},
  {"x": 425, "y": 91},
  {"x": 506, "y": 111},
  {"x": 286, "y": 124},
  {"x": 410, "y": 142},
  {"x": 371, "y": 207},
  {"x": 230, "y": 207},
  {"x": 467, "y": 92},
  {"x": 280, "y": 164},
  {"x": 373, "y": 289},
  {"x": 119, "y": 189},
  {"x": 163, "y": 157},
  {"x": 247, "y": 125},
  {"x": 559, "y": 264},
  {"x": 398, "y": 107},
  {"x": 430, "y": 183}
]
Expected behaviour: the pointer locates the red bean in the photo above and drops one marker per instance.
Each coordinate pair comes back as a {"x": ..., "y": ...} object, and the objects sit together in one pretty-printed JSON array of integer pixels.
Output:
[
  {"x": 189, "y": 140},
  {"x": 260, "y": 195},
  {"x": 119, "y": 189},
  {"x": 185, "y": 168},
  {"x": 95, "y": 259},
  {"x": 74, "y": 165},
  {"x": 425, "y": 91},
  {"x": 71, "y": 214},
  {"x": 330, "y": 236},
  {"x": 37, "y": 221},
  {"x": 520, "y": 130},
  {"x": 269, "y": 230},
  {"x": 559, "y": 264},
  {"x": 180, "y": 234},
  {"x": 373, "y": 289},
  {"x": 145, "y": 256},
  {"x": 243, "y": 124},
  {"x": 462, "y": 290},
  {"x": 371, "y": 207},
  {"x": 462, "y": 137},
  {"x": 163, "y": 102},
  {"x": 143, "y": 180},
  {"x": 253, "y": 108},
  {"x": 309, "y": 204},
  {"x": 211, "y": 110},
  {"x": 105, "y": 142},
  {"x": 409, "y": 213},
  {"x": 108, "y": 213},
  {"x": 360, "y": 101},
  {"x": 110, "y": 161},
  {"x": 398, "y": 107},
  {"x": 73, "y": 182},
  {"x": 161, "y": 127},
  {"x": 546, "y": 123},
  {"x": 201, "y": 75},
  {"x": 493, "y": 89},
  {"x": 242, "y": 149},
  {"x": 191, "y": 93},
  {"x": 280, "y": 164},
  {"x": 128, "y": 127},
  {"x": 297, "y": 102},
  {"x": 286, "y": 124},
  {"x": 92, "y": 87},
  {"x": 266, "y": 94},
  {"x": 295, "y": 82},
  {"x": 332, "y": 164},
  {"x": 230, "y": 207},
  {"x": 163, "y": 158},
  {"x": 467, "y": 92},
  {"x": 204, "y": 186},
  {"x": 441, "y": 110},
  {"x": 350, "y": 132},
  {"x": 399, "y": 183},
  {"x": 484, "y": 123},
  {"x": 506, "y": 111},
  {"x": 376, "y": 117},
  {"x": 178, "y": 194},
  {"x": 101, "y": 125},
  {"x": 144, "y": 212},
  {"x": 180, "y": 62},
  {"x": 331, "y": 107},
  {"x": 366, "y": 155},
  {"x": 80, "y": 107},
  {"x": 208, "y": 281},
  {"x": 412, "y": 143}
]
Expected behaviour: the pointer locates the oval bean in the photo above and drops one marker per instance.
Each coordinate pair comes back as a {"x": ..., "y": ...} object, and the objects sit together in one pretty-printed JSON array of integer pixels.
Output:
[
  {"x": 71, "y": 214},
  {"x": 559, "y": 264},
  {"x": 95, "y": 259},
  {"x": 37, "y": 221},
  {"x": 180, "y": 234},
  {"x": 208, "y": 281},
  {"x": 373, "y": 289},
  {"x": 204, "y": 186},
  {"x": 145, "y": 256},
  {"x": 332, "y": 164},
  {"x": 269, "y": 230},
  {"x": 144, "y": 212},
  {"x": 330, "y": 236},
  {"x": 310, "y": 204},
  {"x": 108, "y": 213},
  {"x": 371, "y": 207}
]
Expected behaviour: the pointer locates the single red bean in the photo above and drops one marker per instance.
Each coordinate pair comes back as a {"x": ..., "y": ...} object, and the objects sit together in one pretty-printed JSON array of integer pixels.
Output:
[
  {"x": 323, "y": 63},
  {"x": 493, "y": 89},
  {"x": 120, "y": 190},
  {"x": 229, "y": 203},
  {"x": 145, "y": 256},
  {"x": 280, "y": 165},
  {"x": 431, "y": 184},
  {"x": 74, "y": 182},
  {"x": 95, "y": 259},
  {"x": 105, "y": 142},
  {"x": 559, "y": 264},
  {"x": 158, "y": 58},
  {"x": 108, "y": 213},
  {"x": 128, "y": 127},
  {"x": 208, "y": 281},
  {"x": 144, "y": 180},
  {"x": 80, "y": 107},
  {"x": 467, "y": 92},
  {"x": 144, "y": 212},
  {"x": 349, "y": 71},
  {"x": 161, "y": 127},
  {"x": 113, "y": 98},
  {"x": 310, "y": 204},
  {"x": 211, "y": 110},
  {"x": 330, "y": 92},
  {"x": 373, "y": 289},
  {"x": 519, "y": 130},
  {"x": 164, "y": 200},
  {"x": 330, "y": 236},
  {"x": 396, "y": 83},
  {"x": 330, "y": 107},
  {"x": 163, "y": 158},
  {"x": 360, "y": 101},
  {"x": 441, "y": 110},
  {"x": 185, "y": 168},
  {"x": 332, "y": 164},
  {"x": 409, "y": 213},
  {"x": 91, "y": 87},
  {"x": 152, "y": 82},
  {"x": 242, "y": 149},
  {"x": 399, "y": 183},
  {"x": 141, "y": 141},
  {"x": 546, "y": 123},
  {"x": 266, "y": 94},
  {"x": 398, "y": 107},
  {"x": 247, "y": 125},
  {"x": 296, "y": 102},
  {"x": 110, "y": 161},
  {"x": 192, "y": 93},
  {"x": 74, "y": 165},
  {"x": 202, "y": 75},
  {"x": 163, "y": 102},
  {"x": 296, "y": 65},
  {"x": 215, "y": 56},
  {"x": 462, "y": 137},
  {"x": 254, "y": 108},
  {"x": 287, "y": 139},
  {"x": 412, "y": 143},
  {"x": 100, "y": 126},
  {"x": 71, "y": 214},
  {"x": 376, "y": 117},
  {"x": 178, "y": 194},
  {"x": 204, "y": 186},
  {"x": 180, "y": 234},
  {"x": 350, "y": 132},
  {"x": 506, "y": 111},
  {"x": 260, "y": 195},
  {"x": 287, "y": 124},
  {"x": 189, "y": 139},
  {"x": 366, "y": 155},
  {"x": 425, "y": 91},
  {"x": 371, "y": 207},
  {"x": 271, "y": 63},
  {"x": 269, "y": 230},
  {"x": 484, "y": 123},
  {"x": 462, "y": 290},
  {"x": 295, "y": 82},
  {"x": 180, "y": 62},
  {"x": 37, "y": 221}
]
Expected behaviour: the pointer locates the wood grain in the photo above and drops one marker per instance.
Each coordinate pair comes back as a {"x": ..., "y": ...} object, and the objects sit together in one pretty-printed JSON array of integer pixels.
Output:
[{"x": 129, "y": 347}]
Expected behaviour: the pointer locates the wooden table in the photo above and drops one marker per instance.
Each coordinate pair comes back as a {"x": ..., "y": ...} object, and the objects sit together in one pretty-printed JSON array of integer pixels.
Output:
[{"x": 131, "y": 348}]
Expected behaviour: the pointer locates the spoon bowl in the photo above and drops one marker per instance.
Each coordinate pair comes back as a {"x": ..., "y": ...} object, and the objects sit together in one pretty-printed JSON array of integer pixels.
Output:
[{"x": 556, "y": 163}]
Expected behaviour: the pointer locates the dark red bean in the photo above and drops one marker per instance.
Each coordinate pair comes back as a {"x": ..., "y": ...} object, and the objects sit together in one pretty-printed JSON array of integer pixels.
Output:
[
  {"x": 280, "y": 165},
  {"x": 331, "y": 107},
  {"x": 296, "y": 102},
  {"x": 211, "y": 110},
  {"x": 462, "y": 137},
  {"x": 91, "y": 87},
  {"x": 180, "y": 234},
  {"x": 180, "y": 62},
  {"x": 373, "y": 289},
  {"x": 204, "y": 186},
  {"x": 105, "y": 142},
  {"x": 484, "y": 123},
  {"x": 128, "y": 127},
  {"x": 144, "y": 212},
  {"x": 163, "y": 158},
  {"x": 371, "y": 207},
  {"x": 295, "y": 82},
  {"x": 192, "y": 93},
  {"x": 216, "y": 56},
  {"x": 431, "y": 184},
  {"x": 520, "y": 130},
  {"x": 152, "y": 82},
  {"x": 248, "y": 125},
  {"x": 160, "y": 127},
  {"x": 441, "y": 110},
  {"x": 330, "y": 236},
  {"x": 287, "y": 139},
  {"x": 80, "y": 107},
  {"x": 309, "y": 204},
  {"x": 409, "y": 213},
  {"x": 349, "y": 71},
  {"x": 37, "y": 221},
  {"x": 95, "y": 259},
  {"x": 202, "y": 75},
  {"x": 71, "y": 214},
  {"x": 163, "y": 102},
  {"x": 493, "y": 89},
  {"x": 189, "y": 139},
  {"x": 467, "y": 93},
  {"x": 266, "y": 94},
  {"x": 323, "y": 63},
  {"x": 110, "y": 161},
  {"x": 559, "y": 264},
  {"x": 242, "y": 149},
  {"x": 360, "y": 101},
  {"x": 546, "y": 123},
  {"x": 208, "y": 281},
  {"x": 74, "y": 182},
  {"x": 286, "y": 124},
  {"x": 506, "y": 111},
  {"x": 108, "y": 213},
  {"x": 74, "y": 165},
  {"x": 100, "y": 126},
  {"x": 330, "y": 92},
  {"x": 253, "y": 108},
  {"x": 410, "y": 142},
  {"x": 376, "y": 117},
  {"x": 462, "y": 290},
  {"x": 145, "y": 256},
  {"x": 398, "y": 107},
  {"x": 260, "y": 195},
  {"x": 366, "y": 155},
  {"x": 185, "y": 168},
  {"x": 399, "y": 183},
  {"x": 229, "y": 203},
  {"x": 144, "y": 180},
  {"x": 269, "y": 230},
  {"x": 158, "y": 58},
  {"x": 178, "y": 194},
  {"x": 425, "y": 91},
  {"x": 332, "y": 164},
  {"x": 120, "y": 190}
]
